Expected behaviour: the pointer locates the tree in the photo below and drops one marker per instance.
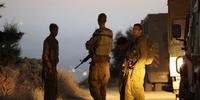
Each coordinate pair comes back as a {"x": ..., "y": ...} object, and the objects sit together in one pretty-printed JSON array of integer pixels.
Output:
[{"x": 9, "y": 44}]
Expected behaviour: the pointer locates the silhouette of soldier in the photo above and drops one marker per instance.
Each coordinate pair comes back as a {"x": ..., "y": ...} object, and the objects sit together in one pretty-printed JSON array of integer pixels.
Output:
[
  {"x": 50, "y": 60},
  {"x": 123, "y": 44},
  {"x": 99, "y": 47}
]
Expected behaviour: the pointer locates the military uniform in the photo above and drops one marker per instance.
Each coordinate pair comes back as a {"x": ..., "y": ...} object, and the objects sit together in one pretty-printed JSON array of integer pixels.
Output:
[
  {"x": 134, "y": 89},
  {"x": 99, "y": 47},
  {"x": 50, "y": 47}
]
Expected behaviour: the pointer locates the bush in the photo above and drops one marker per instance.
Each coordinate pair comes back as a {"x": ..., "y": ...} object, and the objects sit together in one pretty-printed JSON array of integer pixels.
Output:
[{"x": 9, "y": 44}]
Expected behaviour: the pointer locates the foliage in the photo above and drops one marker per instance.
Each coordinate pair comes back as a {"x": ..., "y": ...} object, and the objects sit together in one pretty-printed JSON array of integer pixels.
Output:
[{"x": 9, "y": 44}]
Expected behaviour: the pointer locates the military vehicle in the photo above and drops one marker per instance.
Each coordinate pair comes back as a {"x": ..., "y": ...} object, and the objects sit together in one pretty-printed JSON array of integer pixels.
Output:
[{"x": 184, "y": 40}]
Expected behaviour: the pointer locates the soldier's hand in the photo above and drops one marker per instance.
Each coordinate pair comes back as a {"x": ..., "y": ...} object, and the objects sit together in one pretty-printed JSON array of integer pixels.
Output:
[
  {"x": 49, "y": 67},
  {"x": 87, "y": 45}
]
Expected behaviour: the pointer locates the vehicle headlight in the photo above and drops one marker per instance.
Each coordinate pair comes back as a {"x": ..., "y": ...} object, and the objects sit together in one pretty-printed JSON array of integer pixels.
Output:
[{"x": 175, "y": 65}]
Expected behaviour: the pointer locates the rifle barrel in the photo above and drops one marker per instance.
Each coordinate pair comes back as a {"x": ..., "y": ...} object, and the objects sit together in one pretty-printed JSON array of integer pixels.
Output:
[
  {"x": 78, "y": 65},
  {"x": 84, "y": 60}
]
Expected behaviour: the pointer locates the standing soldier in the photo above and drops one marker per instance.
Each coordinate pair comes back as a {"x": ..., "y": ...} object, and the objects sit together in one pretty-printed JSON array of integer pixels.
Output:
[
  {"x": 139, "y": 54},
  {"x": 99, "y": 47},
  {"x": 50, "y": 61},
  {"x": 122, "y": 45}
]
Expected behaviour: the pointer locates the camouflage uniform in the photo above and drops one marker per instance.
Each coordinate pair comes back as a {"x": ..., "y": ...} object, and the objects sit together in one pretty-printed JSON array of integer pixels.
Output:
[
  {"x": 50, "y": 47},
  {"x": 134, "y": 89},
  {"x": 99, "y": 46}
]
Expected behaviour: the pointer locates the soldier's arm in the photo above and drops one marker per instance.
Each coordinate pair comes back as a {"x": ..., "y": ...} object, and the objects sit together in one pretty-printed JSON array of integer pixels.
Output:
[
  {"x": 47, "y": 60},
  {"x": 152, "y": 57},
  {"x": 46, "y": 51},
  {"x": 143, "y": 53},
  {"x": 57, "y": 52},
  {"x": 90, "y": 44},
  {"x": 46, "y": 54}
]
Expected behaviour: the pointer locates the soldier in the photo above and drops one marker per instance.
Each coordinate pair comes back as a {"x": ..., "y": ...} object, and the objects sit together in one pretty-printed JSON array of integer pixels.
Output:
[
  {"x": 50, "y": 61},
  {"x": 123, "y": 45},
  {"x": 137, "y": 58},
  {"x": 99, "y": 47}
]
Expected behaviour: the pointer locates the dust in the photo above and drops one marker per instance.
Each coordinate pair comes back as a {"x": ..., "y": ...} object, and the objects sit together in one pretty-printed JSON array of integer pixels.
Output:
[{"x": 23, "y": 81}]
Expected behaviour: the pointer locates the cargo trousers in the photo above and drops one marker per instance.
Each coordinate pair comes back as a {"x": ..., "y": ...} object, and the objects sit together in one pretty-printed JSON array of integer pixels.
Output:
[{"x": 98, "y": 79}]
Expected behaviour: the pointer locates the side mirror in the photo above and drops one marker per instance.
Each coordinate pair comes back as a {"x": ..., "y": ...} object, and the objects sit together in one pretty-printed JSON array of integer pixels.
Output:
[
  {"x": 179, "y": 63},
  {"x": 176, "y": 30}
]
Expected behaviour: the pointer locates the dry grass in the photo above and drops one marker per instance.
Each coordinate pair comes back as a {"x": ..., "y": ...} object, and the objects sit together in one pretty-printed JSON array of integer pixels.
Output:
[
  {"x": 8, "y": 78},
  {"x": 68, "y": 88},
  {"x": 23, "y": 81},
  {"x": 38, "y": 94}
]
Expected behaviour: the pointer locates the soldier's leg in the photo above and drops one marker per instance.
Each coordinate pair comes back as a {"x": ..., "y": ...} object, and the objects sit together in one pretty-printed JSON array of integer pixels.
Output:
[
  {"x": 139, "y": 94},
  {"x": 128, "y": 92},
  {"x": 138, "y": 88},
  {"x": 137, "y": 83},
  {"x": 103, "y": 91},
  {"x": 45, "y": 91},
  {"x": 105, "y": 76},
  {"x": 94, "y": 87},
  {"x": 48, "y": 90},
  {"x": 128, "y": 89},
  {"x": 94, "y": 84},
  {"x": 52, "y": 87},
  {"x": 55, "y": 85},
  {"x": 122, "y": 91},
  {"x": 53, "y": 91},
  {"x": 46, "y": 81},
  {"x": 122, "y": 85}
]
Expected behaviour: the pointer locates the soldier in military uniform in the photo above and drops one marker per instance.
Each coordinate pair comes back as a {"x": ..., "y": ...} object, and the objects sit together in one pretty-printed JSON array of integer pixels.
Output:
[
  {"x": 122, "y": 45},
  {"x": 50, "y": 61},
  {"x": 99, "y": 47},
  {"x": 134, "y": 65}
]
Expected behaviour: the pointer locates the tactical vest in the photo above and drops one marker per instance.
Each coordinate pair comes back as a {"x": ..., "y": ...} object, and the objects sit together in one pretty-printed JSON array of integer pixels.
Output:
[{"x": 104, "y": 42}]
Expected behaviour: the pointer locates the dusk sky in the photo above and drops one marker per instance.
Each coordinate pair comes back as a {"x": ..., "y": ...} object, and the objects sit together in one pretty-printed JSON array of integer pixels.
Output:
[{"x": 76, "y": 20}]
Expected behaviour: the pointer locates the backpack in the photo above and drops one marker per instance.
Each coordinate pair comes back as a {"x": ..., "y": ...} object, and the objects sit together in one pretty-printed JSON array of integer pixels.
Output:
[{"x": 104, "y": 42}]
